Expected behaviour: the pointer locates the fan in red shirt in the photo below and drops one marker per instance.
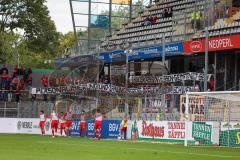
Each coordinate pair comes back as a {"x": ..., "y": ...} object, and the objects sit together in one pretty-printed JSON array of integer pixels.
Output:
[
  {"x": 42, "y": 118},
  {"x": 62, "y": 81},
  {"x": 44, "y": 81},
  {"x": 54, "y": 122},
  {"x": 154, "y": 19},
  {"x": 15, "y": 71},
  {"x": 68, "y": 124},
  {"x": 4, "y": 77}
]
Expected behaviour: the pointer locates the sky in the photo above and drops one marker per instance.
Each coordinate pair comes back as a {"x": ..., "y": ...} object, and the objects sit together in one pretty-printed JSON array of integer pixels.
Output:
[{"x": 60, "y": 13}]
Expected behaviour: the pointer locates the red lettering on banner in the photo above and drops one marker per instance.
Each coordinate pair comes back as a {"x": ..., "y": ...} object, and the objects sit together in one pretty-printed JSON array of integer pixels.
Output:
[
  {"x": 214, "y": 44},
  {"x": 151, "y": 130},
  {"x": 176, "y": 134},
  {"x": 176, "y": 130},
  {"x": 176, "y": 125}
]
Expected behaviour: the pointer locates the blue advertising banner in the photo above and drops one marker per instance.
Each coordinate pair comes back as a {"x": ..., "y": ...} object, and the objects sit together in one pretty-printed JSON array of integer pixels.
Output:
[
  {"x": 110, "y": 128},
  {"x": 143, "y": 53},
  {"x": 120, "y": 55}
]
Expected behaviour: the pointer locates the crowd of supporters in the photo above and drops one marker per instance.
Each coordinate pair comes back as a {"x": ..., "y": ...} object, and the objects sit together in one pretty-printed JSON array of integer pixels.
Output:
[{"x": 13, "y": 82}]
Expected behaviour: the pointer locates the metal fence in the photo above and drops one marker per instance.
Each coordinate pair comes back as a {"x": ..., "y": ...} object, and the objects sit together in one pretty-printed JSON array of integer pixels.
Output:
[{"x": 146, "y": 108}]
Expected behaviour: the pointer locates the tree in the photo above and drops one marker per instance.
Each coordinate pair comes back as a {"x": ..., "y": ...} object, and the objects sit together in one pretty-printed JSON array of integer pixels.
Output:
[
  {"x": 66, "y": 42},
  {"x": 38, "y": 39},
  {"x": 31, "y": 17}
]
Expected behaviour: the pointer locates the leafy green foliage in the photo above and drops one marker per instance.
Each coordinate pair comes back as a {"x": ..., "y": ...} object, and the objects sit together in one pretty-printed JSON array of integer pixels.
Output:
[{"x": 27, "y": 24}]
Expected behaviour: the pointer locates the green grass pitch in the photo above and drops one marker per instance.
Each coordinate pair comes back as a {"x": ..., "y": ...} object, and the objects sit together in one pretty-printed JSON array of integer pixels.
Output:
[{"x": 35, "y": 147}]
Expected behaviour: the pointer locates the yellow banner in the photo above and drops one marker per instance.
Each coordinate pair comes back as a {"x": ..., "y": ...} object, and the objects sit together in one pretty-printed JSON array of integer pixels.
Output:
[{"x": 121, "y": 1}]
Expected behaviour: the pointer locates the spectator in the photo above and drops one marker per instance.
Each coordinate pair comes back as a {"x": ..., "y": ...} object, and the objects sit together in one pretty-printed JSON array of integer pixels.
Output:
[
  {"x": 154, "y": 20},
  {"x": 18, "y": 92},
  {"x": 21, "y": 71},
  {"x": 198, "y": 19},
  {"x": 147, "y": 20},
  {"x": 212, "y": 84},
  {"x": 22, "y": 82},
  {"x": 62, "y": 80},
  {"x": 44, "y": 81},
  {"x": 29, "y": 80},
  {"x": 15, "y": 71},
  {"x": 29, "y": 71},
  {"x": 8, "y": 83},
  {"x": 4, "y": 77},
  {"x": 193, "y": 19},
  {"x": 169, "y": 12},
  {"x": 14, "y": 82},
  {"x": 165, "y": 13},
  {"x": 4, "y": 68}
]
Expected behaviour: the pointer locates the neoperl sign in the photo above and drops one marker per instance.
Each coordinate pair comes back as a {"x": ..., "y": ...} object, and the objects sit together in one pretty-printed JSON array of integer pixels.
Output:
[{"x": 214, "y": 44}]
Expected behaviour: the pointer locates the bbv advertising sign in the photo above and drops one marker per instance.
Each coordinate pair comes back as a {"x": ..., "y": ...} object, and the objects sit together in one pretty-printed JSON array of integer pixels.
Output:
[
  {"x": 110, "y": 128},
  {"x": 214, "y": 44}
]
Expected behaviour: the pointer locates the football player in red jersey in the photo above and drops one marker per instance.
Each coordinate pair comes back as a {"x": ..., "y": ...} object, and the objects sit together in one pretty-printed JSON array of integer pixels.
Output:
[
  {"x": 68, "y": 124},
  {"x": 43, "y": 118},
  {"x": 62, "y": 124},
  {"x": 54, "y": 122},
  {"x": 98, "y": 124},
  {"x": 83, "y": 124}
]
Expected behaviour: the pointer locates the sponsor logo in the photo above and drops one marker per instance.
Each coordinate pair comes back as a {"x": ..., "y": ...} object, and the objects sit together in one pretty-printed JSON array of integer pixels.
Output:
[
  {"x": 236, "y": 126},
  {"x": 227, "y": 125},
  {"x": 151, "y": 130},
  {"x": 171, "y": 49},
  {"x": 24, "y": 125},
  {"x": 220, "y": 43},
  {"x": 113, "y": 127},
  {"x": 196, "y": 46}
]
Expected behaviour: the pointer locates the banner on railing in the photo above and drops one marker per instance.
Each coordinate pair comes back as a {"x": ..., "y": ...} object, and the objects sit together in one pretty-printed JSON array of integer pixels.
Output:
[
  {"x": 71, "y": 89},
  {"x": 189, "y": 76},
  {"x": 196, "y": 108}
]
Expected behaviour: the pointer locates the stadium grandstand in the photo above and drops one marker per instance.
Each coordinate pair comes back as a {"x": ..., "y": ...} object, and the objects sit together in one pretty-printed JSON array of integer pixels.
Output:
[
  {"x": 171, "y": 69},
  {"x": 180, "y": 27}
]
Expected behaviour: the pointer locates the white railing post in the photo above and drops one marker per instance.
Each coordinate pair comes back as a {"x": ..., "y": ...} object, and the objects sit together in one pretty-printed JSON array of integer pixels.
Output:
[{"x": 187, "y": 119}]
